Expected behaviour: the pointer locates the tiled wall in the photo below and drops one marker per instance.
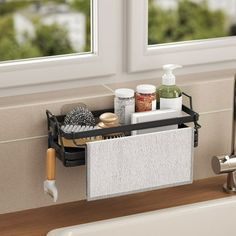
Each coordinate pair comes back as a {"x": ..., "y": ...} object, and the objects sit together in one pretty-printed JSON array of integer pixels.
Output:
[{"x": 23, "y": 138}]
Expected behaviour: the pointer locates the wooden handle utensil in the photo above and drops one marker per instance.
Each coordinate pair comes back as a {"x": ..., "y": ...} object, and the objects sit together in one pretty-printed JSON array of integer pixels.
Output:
[{"x": 51, "y": 164}]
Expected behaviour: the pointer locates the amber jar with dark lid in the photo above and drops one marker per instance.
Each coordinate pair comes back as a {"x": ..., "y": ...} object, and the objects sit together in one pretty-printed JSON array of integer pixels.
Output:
[{"x": 145, "y": 98}]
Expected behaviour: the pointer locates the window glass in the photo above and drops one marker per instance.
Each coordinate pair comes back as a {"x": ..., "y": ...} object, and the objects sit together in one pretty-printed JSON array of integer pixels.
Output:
[
  {"x": 30, "y": 29},
  {"x": 183, "y": 20}
]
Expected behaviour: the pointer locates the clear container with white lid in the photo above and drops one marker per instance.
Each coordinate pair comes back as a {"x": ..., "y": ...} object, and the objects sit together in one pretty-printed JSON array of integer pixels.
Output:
[
  {"x": 124, "y": 104},
  {"x": 145, "y": 98}
]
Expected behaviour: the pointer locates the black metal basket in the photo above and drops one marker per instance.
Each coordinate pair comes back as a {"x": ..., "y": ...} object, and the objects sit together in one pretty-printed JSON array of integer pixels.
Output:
[{"x": 75, "y": 156}]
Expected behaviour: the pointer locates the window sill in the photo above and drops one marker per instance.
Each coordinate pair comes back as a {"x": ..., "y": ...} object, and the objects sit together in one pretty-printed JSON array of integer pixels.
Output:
[{"x": 89, "y": 88}]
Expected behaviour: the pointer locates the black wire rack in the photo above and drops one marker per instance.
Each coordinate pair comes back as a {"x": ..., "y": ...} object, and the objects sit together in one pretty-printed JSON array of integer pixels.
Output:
[{"x": 75, "y": 156}]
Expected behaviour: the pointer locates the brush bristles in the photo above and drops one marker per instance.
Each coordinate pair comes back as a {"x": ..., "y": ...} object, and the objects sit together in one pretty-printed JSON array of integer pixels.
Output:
[{"x": 76, "y": 129}]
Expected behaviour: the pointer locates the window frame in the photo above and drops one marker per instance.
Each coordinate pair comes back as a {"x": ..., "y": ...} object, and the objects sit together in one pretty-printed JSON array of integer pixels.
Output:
[
  {"x": 64, "y": 68},
  {"x": 203, "y": 53}
]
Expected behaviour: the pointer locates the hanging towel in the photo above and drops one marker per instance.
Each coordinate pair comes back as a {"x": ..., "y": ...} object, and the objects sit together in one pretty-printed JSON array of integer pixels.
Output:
[{"x": 139, "y": 163}]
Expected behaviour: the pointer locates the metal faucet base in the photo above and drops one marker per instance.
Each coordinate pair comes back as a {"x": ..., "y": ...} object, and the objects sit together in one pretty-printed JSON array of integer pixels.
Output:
[
  {"x": 227, "y": 164},
  {"x": 230, "y": 185},
  {"x": 228, "y": 190}
]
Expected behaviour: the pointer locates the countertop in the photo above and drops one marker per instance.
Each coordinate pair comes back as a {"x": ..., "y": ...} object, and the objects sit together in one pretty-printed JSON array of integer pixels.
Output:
[{"x": 38, "y": 222}]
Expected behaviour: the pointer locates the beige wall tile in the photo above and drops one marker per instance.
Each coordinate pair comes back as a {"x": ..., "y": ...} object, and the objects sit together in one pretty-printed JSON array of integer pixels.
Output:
[
  {"x": 22, "y": 172},
  {"x": 214, "y": 139},
  {"x": 29, "y": 121},
  {"x": 22, "y": 168},
  {"x": 207, "y": 96},
  {"x": 211, "y": 95},
  {"x": 55, "y": 96}
]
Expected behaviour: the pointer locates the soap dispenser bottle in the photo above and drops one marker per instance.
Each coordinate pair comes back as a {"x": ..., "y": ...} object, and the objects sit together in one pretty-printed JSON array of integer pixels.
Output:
[{"x": 168, "y": 94}]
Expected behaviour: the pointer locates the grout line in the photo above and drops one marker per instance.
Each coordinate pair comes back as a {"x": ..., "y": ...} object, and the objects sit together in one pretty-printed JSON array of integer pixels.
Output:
[
  {"x": 216, "y": 111},
  {"x": 196, "y": 82},
  {"x": 107, "y": 87},
  {"x": 23, "y": 139}
]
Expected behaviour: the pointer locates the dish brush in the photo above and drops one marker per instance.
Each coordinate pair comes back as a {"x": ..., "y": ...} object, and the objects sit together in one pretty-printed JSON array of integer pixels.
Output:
[
  {"x": 108, "y": 120},
  {"x": 76, "y": 129}
]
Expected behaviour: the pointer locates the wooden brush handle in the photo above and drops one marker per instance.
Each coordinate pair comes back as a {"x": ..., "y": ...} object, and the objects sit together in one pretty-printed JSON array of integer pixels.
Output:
[{"x": 51, "y": 164}]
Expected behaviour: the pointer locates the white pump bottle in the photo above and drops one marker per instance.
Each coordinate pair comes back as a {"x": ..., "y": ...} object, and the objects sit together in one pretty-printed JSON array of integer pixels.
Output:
[{"x": 169, "y": 95}]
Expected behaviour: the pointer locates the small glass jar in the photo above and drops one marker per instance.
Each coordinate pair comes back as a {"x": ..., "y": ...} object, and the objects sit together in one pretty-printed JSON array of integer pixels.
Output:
[
  {"x": 124, "y": 105},
  {"x": 145, "y": 98}
]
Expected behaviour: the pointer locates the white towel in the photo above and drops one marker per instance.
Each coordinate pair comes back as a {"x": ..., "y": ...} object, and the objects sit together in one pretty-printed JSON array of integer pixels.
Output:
[{"x": 139, "y": 163}]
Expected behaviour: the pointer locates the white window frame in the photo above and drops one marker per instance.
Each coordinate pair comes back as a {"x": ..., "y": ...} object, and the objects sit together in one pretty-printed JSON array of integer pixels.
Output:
[
  {"x": 59, "y": 69},
  {"x": 203, "y": 53}
]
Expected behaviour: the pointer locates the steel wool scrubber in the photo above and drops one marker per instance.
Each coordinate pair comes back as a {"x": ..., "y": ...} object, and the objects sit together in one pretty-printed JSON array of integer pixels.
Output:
[
  {"x": 80, "y": 115},
  {"x": 79, "y": 119}
]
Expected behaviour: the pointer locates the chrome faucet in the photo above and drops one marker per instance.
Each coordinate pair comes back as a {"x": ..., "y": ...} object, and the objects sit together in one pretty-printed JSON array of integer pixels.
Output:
[{"x": 227, "y": 163}]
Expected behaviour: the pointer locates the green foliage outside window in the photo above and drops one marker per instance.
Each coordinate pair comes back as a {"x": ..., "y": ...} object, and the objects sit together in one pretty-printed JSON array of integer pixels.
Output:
[
  {"x": 84, "y": 6},
  {"x": 189, "y": 21},
  {"x": 49, "y": 40},
  {"x": 52, "y": 40}
]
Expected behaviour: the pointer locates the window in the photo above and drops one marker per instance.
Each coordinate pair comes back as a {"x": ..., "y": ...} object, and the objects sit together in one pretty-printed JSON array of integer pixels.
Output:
[
  {"x": 177, "y": 21},
  {"x": 40, "y": 72},
  {"x": 146, "y": 51},
  {"x": 171, "y": 31},
  {"x": 30, "y": 29}
]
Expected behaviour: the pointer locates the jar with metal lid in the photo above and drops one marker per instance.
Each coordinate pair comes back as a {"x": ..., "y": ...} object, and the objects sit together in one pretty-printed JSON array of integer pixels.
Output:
[
  {"x": 124, "y": 104},
  {"x": 145, "y": 98}
]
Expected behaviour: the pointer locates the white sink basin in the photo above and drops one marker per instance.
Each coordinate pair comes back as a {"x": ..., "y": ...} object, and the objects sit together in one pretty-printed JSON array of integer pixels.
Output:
[{"x": 209, "y": 218}]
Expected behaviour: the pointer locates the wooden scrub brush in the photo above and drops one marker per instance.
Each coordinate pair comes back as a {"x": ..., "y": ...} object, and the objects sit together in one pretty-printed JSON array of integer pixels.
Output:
[{"x": 108, "y": 120}]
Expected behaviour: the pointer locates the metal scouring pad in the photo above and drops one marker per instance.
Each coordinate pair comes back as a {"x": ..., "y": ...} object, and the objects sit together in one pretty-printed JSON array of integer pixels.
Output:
[{"x": 80, "y": 115}]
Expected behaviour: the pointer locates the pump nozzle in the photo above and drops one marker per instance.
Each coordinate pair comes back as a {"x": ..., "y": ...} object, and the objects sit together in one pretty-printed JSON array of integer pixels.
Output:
[
  {"x": 171, "y": 67},
  {"x": 169, "y": 78}
]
